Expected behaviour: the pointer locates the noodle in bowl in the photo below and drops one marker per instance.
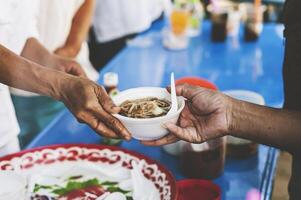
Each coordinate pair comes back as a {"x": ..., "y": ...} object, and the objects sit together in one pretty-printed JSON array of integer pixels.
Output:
[
  {"x": 149, "y": 107},
  {"x": 146, "y": 124}
]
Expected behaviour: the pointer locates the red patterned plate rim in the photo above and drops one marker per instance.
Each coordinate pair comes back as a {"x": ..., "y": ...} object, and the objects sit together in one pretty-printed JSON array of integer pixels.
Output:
[{"x": 170, "y": 177}]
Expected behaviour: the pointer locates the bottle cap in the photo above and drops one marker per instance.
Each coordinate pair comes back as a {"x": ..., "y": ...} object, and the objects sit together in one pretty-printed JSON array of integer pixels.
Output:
[{"x": 110, "y": 79}]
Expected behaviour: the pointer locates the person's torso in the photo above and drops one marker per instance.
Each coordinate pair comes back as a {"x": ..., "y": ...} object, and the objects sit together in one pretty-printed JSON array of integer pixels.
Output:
[
  {"x": 292, "y": 80},
  {"x": 17, "y": 23},
  {"x": 55, "y": 21},
  {"x": 9, "y": 126},
  {"x": 114, "y": 19},
  {"x": 292, "y": 12}
]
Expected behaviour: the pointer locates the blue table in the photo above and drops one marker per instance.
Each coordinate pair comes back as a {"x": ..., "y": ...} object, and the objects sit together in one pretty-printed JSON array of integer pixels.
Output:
[
  {"x": 281, "y": 2},
  {"x": 230, "y": 65}
]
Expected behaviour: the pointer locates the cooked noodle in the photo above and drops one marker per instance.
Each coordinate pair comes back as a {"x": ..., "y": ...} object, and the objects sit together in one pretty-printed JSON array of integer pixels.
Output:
[{"x": 145, "y": 108}]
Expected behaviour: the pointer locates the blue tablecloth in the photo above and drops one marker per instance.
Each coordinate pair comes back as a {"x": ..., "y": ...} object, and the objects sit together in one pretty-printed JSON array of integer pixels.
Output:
[
  {"x": 231, "y": 65},
  {"x": 270, "y": 1}
]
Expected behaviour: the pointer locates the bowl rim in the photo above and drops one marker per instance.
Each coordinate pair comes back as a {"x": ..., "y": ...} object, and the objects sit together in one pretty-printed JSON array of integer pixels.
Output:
[
  {"x": 170, "y": 177},
  {"x": 155, "y": 119}
]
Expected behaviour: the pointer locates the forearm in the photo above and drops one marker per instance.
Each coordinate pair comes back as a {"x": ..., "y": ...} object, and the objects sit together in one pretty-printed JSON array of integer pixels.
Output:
[
  {"x": 275, "y": 127},
  {"x": 36, "y": 52},
  {"x": 80, "y": 27},
  {"x": 21, "y": 73}
]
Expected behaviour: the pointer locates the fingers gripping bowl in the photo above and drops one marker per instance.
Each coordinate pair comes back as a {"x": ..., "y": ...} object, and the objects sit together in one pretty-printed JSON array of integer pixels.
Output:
[{"x": 147, "y": 128}]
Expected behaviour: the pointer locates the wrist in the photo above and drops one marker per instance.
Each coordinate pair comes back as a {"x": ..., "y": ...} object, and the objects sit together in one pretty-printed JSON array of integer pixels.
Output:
[
  {"x": 39, "y": 79},
  {"x": 35, "y": 52},
  {"x": 238, "y": 115},
  {"x": 231, "y": 104},
  {"x": 54, "y": 80},
  {"x": 58, "y": 84},
  {"x": 46, "y": 59},
  {"x": 70, "y": 50}
]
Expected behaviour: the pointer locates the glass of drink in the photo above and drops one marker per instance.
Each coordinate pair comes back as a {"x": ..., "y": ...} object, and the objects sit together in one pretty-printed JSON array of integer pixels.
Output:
[
  {"x": 179, "y": 21},
  {"x": 253, "y": 20},
  {"x": 219, "y": 19},
  {"x": 175, "y": 37},
  {"x": 203, "y": 161},
  {"x": 234, "y": 17}
]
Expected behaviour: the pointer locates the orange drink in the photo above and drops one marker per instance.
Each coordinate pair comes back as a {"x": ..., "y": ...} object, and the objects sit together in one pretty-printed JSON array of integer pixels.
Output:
[{"x": 179, "y": 21}]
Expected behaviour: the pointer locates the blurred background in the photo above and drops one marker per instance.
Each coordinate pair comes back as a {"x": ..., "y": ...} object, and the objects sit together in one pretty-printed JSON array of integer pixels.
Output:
[{"x": 227, "y": 45}]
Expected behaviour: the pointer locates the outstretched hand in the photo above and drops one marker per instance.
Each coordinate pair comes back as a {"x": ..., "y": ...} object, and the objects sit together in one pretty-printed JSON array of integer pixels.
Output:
[
  {"x": 90, "y": 104},
  {"x": 205, "y": 116}
]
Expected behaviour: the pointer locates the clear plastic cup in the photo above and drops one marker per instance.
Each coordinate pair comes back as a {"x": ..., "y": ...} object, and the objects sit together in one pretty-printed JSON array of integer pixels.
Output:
[
  {"x": 175, "y": 35},
  {"x": 219, "y": 19},
  {"x": 219, "y": 13},
  {"x": 203, "y": 161},
  {"x": 253, "y": 20},
  {"x": 234, "y": 19},
  {"x": 179, "y": 21}
]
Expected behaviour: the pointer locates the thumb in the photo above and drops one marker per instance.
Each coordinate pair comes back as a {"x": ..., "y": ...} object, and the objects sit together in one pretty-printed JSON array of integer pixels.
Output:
[
  {"x": 106, "y": 102},
  {"x": 77, "y": 70},
  {"x": 187, "y": 91}
]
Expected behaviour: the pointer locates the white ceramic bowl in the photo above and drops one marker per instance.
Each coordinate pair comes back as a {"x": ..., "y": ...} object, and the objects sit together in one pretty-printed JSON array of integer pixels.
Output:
[{"x": 150, "y": 128}]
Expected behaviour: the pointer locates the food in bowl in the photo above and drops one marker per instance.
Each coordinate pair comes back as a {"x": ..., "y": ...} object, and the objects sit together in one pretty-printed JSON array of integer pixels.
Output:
[
  {"x": 149, "y": 107},
  {"x": 147, "y": 128}
]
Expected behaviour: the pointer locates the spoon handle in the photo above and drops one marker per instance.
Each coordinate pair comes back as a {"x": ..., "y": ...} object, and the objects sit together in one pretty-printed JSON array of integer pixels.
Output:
[{"x": 174, "y": 103}]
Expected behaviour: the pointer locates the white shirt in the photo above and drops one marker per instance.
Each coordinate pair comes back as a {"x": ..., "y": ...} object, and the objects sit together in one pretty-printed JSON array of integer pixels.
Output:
[
  {"x": 17, "y": 24},
  {"x": 114, "y": 19},
  {"x": 54, "y": 21},
  {"x": 54, "y": 24},
  {"x": 9, "y": 127}
]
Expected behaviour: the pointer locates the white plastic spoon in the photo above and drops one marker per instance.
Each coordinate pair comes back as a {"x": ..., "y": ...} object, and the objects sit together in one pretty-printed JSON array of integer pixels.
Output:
[{"x": 173, "y": 95}]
